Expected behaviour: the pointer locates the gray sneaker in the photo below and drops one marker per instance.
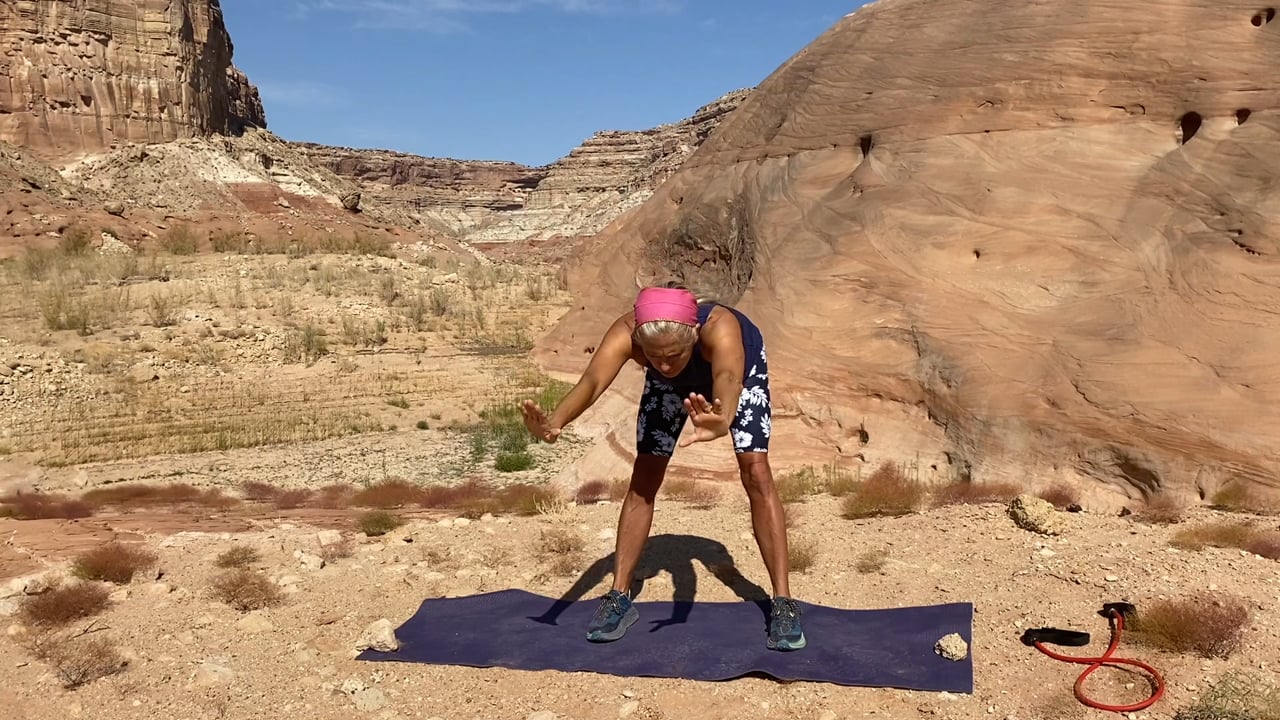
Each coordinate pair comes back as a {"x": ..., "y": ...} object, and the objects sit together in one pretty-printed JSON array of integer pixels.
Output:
[
  {"x": 784, "y": 625},
  {"x": 612, "y": 618}
]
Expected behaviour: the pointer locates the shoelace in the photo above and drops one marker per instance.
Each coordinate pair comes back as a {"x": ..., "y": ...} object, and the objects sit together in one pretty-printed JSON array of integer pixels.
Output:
[
  {"x": 612, "y": 605},
  {"x": 785, "y": 611}
]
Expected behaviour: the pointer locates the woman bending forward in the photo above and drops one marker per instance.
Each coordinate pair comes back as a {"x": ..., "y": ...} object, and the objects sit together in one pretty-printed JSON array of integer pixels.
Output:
[{"x": 705, "y": 363}]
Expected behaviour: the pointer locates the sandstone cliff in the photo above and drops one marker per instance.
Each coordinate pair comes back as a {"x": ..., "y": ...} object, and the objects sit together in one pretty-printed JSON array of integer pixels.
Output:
[
  {"x": 85, "y": 74},
  {"x": 609, "y": 173},
  {"x": 1028, "y": 241}
]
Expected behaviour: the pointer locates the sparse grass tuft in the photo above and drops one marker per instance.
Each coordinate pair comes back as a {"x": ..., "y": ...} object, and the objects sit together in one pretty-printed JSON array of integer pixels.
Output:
[
  {"x": 1240, "y": 497},
  {"x": 886, "y": 493},
  {"x": 239, "y": 556},
  {"x": 975, "y": 493},
  {"x": 64, "y": 604},
  {"x": 1207, "y": 624},
  {"x": 246, "y": 590},
  {"x": 1219, "y": 534},
  {"x": 378, "y": 522},
  {"x": 41, "y": 506},
  {"x": 513, "y": 462},
  {"x": 1060, "y": 495},
  {"x": 798, "y": 485},
  {"x": 114, "y": 562},
  {"x": 801, "y": 554},
  {"x": 1235, "y": 696},
  {"x": 1162, "y": 509},
  {"x": 872, "y": 561}
]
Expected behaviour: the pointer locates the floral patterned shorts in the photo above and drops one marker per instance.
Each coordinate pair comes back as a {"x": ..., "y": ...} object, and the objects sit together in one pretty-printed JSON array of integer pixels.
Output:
[{"x": 662, "y": 416}]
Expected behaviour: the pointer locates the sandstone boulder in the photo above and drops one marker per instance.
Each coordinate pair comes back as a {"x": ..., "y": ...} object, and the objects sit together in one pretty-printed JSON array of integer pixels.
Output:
[{"x": 1004, "y": 241}]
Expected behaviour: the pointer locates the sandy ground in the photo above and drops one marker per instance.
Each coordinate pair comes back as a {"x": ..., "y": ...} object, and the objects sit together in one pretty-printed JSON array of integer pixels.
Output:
[{"x": 191, "y": 656}]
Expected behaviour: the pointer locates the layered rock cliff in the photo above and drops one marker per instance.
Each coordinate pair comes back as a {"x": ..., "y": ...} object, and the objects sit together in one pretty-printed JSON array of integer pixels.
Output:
[
  {"x": 85, "y": 74},
  {"x": 612, "y": 171},
  {"x": 1027, "y": 241}
]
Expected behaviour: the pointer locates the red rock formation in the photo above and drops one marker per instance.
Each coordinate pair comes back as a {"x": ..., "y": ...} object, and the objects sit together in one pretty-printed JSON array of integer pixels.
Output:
[
  {"x": 1026, "y": 241},
  {"x": 84, "y": 74},
  {"x": 496, "y": 202}
]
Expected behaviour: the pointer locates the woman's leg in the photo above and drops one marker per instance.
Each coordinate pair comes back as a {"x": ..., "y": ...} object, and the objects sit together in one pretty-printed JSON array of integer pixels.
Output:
[
  {"x": 636, "y": 517},
  {"x": 767, "y": 519}
]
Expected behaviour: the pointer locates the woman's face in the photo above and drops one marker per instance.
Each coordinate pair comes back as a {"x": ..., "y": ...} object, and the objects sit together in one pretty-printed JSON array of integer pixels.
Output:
[{"x": 668, "y": 355}]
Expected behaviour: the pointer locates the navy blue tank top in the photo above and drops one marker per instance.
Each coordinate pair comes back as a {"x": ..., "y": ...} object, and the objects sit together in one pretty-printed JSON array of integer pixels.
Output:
[{"x": 697, "y": 374}]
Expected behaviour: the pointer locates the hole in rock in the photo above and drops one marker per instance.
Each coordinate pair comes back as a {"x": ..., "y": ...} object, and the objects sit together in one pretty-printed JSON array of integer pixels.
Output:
[
  {"x": 1242, "y": 116},
  {"x": 977, "y": 254},
  {"x": 866, "y": 142},
  {"x": 1188, "y": 125},
  {"x": 1263, "y": 17},
  {"x": 864, "y": 437}
]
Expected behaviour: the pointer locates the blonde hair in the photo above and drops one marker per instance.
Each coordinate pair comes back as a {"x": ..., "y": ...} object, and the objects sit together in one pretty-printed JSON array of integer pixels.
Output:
[{"x": 650, "y": 332}]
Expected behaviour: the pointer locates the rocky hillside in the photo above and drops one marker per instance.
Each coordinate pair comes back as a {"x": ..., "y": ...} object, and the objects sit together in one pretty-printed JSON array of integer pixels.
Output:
[
  {"x": 1028, "y": 248},
  {"x": 87, "y": 74},
  {"x": 493, "y": 202}
]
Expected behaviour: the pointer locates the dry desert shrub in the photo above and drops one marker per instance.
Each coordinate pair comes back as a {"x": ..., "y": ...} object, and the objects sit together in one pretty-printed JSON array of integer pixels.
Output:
[
  {"x": 1235, "y": 696},
  {"x": 1060, "y": 495},
  {"x": 798, "y": 485},
  {"x": 394, "y": 493},
  {"x": 698, "y": 495},
  {"x": 78, "y": 659},
  {"x": 41, "y": 506},
  {"x": 1210, "y": 625},
  {"x": 974, "y": 493},
  {"x": 246, "y": 590},
  {"x": 144, "y": 495},
  {"x": 872, "y": 561},
  {"x": 336, "y": 551},
  {"x": 887, "y": 493},
  {"x": 1219, "y": 534},
  {"x": 64, "y": 604},
  {"x": 376, "y": 523},
  {"x": 560, "y": 551},
  {"x": 1265, "y": 544},
  {"x": 801, "y": 554},
  {"x": 840, "y": 481},
  {"x": 1241, "y": 497},
  {"x": 1162, "y": 509},
  {"x": 591, "y": 492},
  {"x": 238, "y": 556},
  {"x": 114, "y": 562},
  {"x": 525, "y": 499}
]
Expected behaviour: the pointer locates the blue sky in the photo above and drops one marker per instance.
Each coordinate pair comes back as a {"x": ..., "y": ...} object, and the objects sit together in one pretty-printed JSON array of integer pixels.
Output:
[{"x": 520, "y": 80}]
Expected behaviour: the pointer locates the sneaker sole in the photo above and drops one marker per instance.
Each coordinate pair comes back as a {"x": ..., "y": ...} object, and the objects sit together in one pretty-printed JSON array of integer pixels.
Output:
[
  {"x": 629, "y": 619},
  {"x": 785, "y": 645}
]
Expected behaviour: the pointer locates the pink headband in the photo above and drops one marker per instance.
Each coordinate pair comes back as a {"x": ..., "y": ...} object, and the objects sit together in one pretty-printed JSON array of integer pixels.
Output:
[{"x": 671, "y": 304}]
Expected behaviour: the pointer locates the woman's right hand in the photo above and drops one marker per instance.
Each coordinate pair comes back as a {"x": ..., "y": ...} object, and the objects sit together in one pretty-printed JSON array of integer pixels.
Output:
[{"x": 538, "y": 423}]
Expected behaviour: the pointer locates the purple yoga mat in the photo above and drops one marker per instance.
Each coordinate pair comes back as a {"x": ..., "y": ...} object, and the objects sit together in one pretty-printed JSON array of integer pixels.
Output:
[{"x": 695, "y": 640}]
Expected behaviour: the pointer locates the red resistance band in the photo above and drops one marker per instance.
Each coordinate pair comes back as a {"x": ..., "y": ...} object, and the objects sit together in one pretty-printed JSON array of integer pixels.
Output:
[{"x": 1115, "y": 614}]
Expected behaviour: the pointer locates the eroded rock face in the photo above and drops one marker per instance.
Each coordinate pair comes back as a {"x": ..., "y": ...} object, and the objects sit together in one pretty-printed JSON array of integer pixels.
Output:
[
  {"x": 83, "y": 74},
  {"x": 496, "y": 202},
  {"x": 1006, "y": 241}
]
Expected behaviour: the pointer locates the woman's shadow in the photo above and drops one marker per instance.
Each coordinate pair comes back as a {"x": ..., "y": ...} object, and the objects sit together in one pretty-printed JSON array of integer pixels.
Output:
[{"x": 675, "y": 554}]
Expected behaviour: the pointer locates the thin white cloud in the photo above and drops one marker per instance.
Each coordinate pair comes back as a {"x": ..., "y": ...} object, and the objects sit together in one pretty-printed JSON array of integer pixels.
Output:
[{"x": 451, "y": 15}]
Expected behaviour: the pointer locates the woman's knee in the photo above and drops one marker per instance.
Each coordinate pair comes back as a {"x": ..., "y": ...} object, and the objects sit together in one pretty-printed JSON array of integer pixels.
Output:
[{"x": 755, "y": 472}]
